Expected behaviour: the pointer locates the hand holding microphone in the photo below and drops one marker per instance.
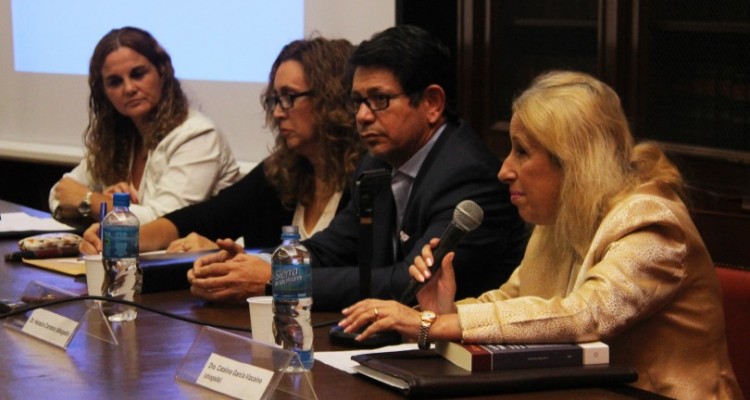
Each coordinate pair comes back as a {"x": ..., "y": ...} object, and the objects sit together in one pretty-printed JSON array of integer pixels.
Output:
[{"x": 466, "y": 217}]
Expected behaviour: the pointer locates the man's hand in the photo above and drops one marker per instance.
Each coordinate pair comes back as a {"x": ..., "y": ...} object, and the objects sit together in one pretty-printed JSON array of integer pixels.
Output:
[{"x": 229, "y": 275}]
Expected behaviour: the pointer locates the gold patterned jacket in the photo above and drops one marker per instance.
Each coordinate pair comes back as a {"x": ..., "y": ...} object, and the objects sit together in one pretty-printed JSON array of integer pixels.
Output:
[{"x": 647, "y": 287}]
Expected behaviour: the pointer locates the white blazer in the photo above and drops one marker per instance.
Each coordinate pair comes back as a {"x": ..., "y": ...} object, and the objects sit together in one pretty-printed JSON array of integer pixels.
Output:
[{"x": 191, "y": 164}]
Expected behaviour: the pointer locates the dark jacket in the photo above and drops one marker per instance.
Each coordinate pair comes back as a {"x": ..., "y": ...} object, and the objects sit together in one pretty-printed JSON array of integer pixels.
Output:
[{"x": 458, "y": 167}]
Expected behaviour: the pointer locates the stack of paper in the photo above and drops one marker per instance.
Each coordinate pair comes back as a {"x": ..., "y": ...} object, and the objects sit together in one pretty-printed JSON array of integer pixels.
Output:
[{"x": 22, "y": 222}]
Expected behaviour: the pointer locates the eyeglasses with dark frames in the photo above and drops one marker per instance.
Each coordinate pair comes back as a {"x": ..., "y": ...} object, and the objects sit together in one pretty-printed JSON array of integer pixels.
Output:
[
  {"x": 285, "y": 101},
  {"x": 375, "y": 102}
]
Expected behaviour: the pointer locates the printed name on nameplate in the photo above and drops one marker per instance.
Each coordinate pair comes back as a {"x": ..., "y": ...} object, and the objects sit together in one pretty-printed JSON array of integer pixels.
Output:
[
  {"x": 50, "y": 327},
  {"x": 233, "y": 378}
]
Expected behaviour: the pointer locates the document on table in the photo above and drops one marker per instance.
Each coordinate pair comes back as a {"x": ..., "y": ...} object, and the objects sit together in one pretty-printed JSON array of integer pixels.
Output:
[
  {"x": 22, "y": 222},
  {"x": 342, "y": 360},
  {"x": 74, "y": 266}
]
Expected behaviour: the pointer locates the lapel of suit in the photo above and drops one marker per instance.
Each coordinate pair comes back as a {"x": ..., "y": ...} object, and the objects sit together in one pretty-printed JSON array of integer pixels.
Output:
[{"x": 409, "y": 230}]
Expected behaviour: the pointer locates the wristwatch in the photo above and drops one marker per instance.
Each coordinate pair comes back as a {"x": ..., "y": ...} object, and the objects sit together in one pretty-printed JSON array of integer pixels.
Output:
[
  {"x": 84, "y": 207},
  {"x": 428, "y": 318}
]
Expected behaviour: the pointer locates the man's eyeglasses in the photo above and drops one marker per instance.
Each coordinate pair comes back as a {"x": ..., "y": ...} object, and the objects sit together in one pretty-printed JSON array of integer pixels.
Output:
[
  {"x": 375, "y": 102},
  {"x": 286, "y": 101}
]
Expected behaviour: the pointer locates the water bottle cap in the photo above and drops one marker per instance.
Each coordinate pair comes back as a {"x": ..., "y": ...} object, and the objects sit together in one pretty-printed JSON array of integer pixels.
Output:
[
  {"x": 121, "y": 200},
  {"x": 289, "y": 231}
]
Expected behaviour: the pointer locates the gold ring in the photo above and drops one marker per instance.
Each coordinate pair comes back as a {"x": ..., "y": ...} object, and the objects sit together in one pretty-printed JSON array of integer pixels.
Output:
[{"x": 375, "y": 310}]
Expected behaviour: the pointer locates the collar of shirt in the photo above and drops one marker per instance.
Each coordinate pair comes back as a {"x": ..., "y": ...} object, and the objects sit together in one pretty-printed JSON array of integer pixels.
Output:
[{"x": 403, "y": 178}]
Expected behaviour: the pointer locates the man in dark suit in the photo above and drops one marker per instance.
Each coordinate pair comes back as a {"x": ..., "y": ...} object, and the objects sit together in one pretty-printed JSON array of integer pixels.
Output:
[{"x": 399, "y": 100}]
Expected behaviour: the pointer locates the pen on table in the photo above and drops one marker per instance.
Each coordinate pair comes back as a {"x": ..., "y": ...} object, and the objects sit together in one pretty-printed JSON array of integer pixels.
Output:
[
  {"x": 68, "y": 251},
  {"x": 102, "y": 214}
]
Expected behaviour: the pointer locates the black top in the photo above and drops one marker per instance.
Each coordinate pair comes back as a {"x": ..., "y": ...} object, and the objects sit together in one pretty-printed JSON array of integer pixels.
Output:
[{"x": 250, "y": 208}]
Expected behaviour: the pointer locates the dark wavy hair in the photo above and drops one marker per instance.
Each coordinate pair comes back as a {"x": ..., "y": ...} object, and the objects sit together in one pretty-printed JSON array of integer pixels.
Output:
[
  {"x": 324, "y": 64},
  {"x": 415, "y": 57},
  {"x": 111, "y": 137}
]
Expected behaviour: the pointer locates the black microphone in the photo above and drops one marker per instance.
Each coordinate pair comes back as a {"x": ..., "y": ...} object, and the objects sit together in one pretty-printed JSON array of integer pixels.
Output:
[{"x": 466, "y": 217}]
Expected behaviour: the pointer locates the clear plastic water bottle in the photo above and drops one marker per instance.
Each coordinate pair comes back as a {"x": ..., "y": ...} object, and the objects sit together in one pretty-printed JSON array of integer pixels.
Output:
[
  {"x": 122, "y": 274},
  {"x": 292, "y": 296}
]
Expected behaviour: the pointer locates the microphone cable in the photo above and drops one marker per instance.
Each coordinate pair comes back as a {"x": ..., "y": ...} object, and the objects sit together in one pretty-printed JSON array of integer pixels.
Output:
[{"x": 30, "y": 306}]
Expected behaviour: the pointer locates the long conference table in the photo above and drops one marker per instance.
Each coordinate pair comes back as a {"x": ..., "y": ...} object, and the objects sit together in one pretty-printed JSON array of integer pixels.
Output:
[{"x": 151, "y": 349}]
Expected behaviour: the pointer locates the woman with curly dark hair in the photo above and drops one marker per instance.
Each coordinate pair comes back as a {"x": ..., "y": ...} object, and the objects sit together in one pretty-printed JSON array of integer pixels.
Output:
[
  {"x": 309, "y": 169},
  {"x": 142, "y": 137},
  {"x": 305, "y": 179}
]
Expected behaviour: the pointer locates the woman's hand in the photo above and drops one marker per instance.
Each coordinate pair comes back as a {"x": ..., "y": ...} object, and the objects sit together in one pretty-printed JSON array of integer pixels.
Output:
[
  {"x": 91, "y": 243},
  {"x": 438, "y": 294},
  {"x": 381, "y": 315},
  {"x": 122, "y": 187},
  {"x": 191, "y": 242},
  {"x": 70, "y": 194},
  {"x": 384, "y": 315}
]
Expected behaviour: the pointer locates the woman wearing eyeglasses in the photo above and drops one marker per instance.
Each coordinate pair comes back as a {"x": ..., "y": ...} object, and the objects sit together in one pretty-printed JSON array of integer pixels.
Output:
[{"x": 304, "y": 181}]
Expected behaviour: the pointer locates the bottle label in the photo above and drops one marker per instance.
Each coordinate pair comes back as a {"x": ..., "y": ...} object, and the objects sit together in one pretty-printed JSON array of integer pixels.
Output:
[
  {"x": 292, "y": 281},
  {"x": 120, "y": 242}
]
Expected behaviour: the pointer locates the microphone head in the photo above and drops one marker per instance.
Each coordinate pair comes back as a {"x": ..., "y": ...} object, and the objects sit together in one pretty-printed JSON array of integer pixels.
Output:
[{"x": 468, "y": 215}]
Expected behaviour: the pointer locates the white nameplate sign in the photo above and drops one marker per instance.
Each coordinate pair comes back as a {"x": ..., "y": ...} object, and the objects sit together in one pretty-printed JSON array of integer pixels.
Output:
[
  {"x": 50, "y": 327},
  {"x": 232, "y": 378}
]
